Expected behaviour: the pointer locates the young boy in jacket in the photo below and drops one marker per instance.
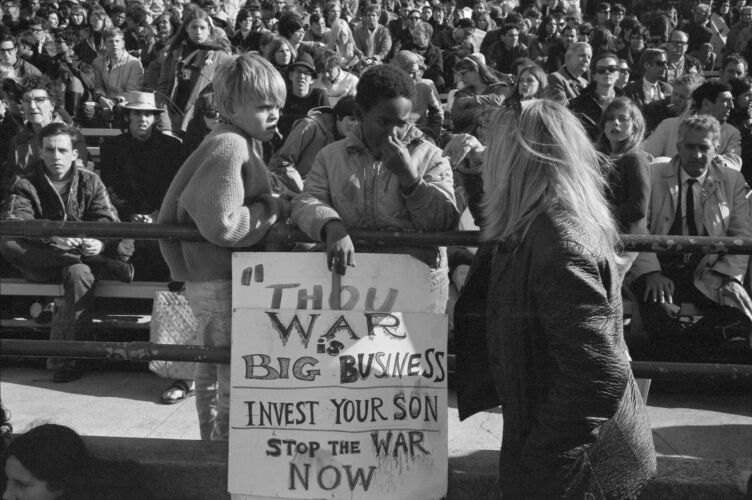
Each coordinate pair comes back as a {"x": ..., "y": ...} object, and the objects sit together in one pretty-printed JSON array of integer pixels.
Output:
[{"x": 224, "y": 191}]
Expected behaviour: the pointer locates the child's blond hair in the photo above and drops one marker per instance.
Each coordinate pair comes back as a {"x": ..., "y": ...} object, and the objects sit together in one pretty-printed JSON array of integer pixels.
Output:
[{"x": 247, "y": 78}]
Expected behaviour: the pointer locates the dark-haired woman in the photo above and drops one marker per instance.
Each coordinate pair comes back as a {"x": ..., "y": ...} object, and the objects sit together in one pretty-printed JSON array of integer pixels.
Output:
[
  {"x": 192, "y": 57},
  {"x": 482, "y": 88},
  {"x": 547, "y": 36},
  {"x": 388, "y": 156}
]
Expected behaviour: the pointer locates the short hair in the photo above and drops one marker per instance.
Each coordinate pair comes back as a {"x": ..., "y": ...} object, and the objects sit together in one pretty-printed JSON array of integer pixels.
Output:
[
  {"x": 650, "y": 55},
  {"x": 327, "y": 59},
  {"x": 710, "y": 91},
  {"x": 60, "y": 128},
  {"x": 601, "y": 56},
  {"x": 506, "y": 28},
  {"x": 577, "y": 46},
  {"x": 288, "y": 24},
  {"x": 633, "y": 142},
  {"x": 674, "y": 31},
  {"x": 405, "y": 58},
  {"x": 53, "y": 453},
  {"x": 111, "y": 33},
  {"x": 377, "y": 8},
  {"x": 138, "y": 13},
  {"x": 383, "y": 82},
  {"x": 247, "y": 78},
  {"x": 533, "y": 13},
  {"x": 39, "y": 82},
  {"x": 734, "y": 58},
  {"x": 689, "y": 80},
  {"x": 739, "y": 86},
  {"x": 617, "y": 7},
  {"x": 465, "y": 23},
  {"x": 705, "y": 123},
  {"x": 8, "y": 38},
  {"x": 345, "y": 107}
]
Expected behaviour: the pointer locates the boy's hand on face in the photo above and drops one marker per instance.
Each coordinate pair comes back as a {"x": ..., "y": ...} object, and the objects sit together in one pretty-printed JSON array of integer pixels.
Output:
[{"x": 398, "y": 160}]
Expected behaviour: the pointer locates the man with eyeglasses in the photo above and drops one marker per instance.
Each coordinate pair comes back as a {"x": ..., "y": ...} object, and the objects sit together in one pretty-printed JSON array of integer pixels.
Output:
[
  {"x": 12, "y": 16},
  {"x": 679, "y": 62},
  {"x": 9, "y": 55},
  {"x": 651, "y": 87},
  {"x": 589, "y": 105},
  {"x": 603, "y": 14},
  {"x": 699, "y": 29}
]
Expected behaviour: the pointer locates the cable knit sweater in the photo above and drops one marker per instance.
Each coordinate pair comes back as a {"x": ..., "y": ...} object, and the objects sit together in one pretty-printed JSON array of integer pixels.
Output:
[{"x": 223, "y": 190}]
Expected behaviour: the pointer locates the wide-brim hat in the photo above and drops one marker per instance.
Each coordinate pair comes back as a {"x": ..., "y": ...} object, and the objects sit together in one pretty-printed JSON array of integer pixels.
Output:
[
  {"x": 141, "y": 101},
  {"x": 304, "y": 60}
]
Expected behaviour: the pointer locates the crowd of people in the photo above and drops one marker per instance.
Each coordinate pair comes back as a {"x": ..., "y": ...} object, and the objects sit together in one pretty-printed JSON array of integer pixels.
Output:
[{"x": 564, "y": 124}]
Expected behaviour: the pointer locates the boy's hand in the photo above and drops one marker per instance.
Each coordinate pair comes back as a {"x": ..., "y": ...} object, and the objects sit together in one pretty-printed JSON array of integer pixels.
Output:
[
  {"x": 397, "y": 159},
  {"x": 340, "y": 251},
  {"x": 65, "y": 243},
  {"x": 90, "y": 246}
]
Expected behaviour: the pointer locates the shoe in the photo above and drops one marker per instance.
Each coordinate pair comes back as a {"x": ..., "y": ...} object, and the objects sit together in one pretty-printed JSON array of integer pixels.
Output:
[
  {"x": 177, "y": 392},
  {"x": 67, "y": 374}
]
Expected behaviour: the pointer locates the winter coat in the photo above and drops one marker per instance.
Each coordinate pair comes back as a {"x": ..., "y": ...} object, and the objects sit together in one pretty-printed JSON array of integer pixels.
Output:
[{"x": 539, "y": 331}]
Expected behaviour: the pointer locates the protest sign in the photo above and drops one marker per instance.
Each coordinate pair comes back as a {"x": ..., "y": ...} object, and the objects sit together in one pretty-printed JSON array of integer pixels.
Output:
[{"x": 332, "y": 403}]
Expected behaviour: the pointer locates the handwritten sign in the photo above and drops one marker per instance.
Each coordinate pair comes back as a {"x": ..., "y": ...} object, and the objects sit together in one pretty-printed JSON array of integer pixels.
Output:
[{"x": 331, "y": 403}]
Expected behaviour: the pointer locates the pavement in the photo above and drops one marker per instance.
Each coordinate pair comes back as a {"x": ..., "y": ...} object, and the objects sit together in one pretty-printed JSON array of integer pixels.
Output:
[{"x": 703, "y": 441}]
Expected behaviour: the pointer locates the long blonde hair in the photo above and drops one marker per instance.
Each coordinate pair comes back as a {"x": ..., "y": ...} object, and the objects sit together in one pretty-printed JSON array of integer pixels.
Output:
[
  {"x": 339, "y": 26},
  {"x": 539, "y": 157}
]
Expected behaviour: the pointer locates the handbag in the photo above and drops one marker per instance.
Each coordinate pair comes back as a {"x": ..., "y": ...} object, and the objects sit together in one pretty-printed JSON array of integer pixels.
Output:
[{"x": 173, "y": 322}]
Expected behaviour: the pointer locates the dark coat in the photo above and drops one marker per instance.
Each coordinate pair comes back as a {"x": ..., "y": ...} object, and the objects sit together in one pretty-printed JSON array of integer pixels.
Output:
[
  {"x": 634, "y": 91},
  {"x": 539, "y": 331},
  {"x": 585, "y": 106}
]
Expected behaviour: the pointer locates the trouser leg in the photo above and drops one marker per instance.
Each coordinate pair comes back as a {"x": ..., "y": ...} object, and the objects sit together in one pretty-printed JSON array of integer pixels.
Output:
[{"x": 78, "y": 285}]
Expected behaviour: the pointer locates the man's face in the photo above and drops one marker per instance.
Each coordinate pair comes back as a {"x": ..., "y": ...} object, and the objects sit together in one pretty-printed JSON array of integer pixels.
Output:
[
  {"x": 721, "y": 108},
  {"x": 617, "y": 16},
  {"x": 426, "y": 14},
  {"x": 413, "y": 20},
  {"x": 677, "y": 46},
  {"x": 680, "y": 98},
  {"x": 701, "y": 13},
  {"x": 58, "y": 155},
  {"x": 301, "y": 81},
  {"x": 747, "y": 16},
  {"x": 141, "y": 123},
  {"x": 511, "y": 38},
  {"x": 420, "y": 39},
  {"x": 8, "y": 52},
  {"x": 568, "y": 37},
  {"x": 579, "y": 61},
  {"x": 733, "y": 70},
  {"x": 12, "y": 11},
  {"x": 604, "y": 16},
  {"x": 623, "y": 78},
  {"x": 372, "y": 19},
  {"x": 656, "y": 69},
  {"x": 696, "y": 152}
]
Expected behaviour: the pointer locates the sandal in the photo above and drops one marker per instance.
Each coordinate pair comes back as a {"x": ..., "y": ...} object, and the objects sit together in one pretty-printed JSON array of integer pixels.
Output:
[{"x": 178, "y": 391}]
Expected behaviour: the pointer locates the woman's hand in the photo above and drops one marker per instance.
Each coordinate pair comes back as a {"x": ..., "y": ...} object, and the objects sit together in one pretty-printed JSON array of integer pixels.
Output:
[
  {"x": 398, "y": 160},
  {"x": 340, "y": 251}
]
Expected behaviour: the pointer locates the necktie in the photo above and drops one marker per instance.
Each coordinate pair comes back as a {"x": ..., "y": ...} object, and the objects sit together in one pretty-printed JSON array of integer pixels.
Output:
[{"x": 690, "y": 209}]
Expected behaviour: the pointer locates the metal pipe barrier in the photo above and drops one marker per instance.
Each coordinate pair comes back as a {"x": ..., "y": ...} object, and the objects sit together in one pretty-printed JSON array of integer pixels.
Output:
[
  {"x": 287, "y": 233},
  {"x": 146, "y": 351}
]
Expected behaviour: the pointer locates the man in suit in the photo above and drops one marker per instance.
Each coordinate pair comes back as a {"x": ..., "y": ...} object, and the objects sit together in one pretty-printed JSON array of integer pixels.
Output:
[
  {"x": 650, "y": 87},
  {"x": 371, "y": 38},
  {"x": 567, "y": 83},
  {"x": 695, "y": 194}
]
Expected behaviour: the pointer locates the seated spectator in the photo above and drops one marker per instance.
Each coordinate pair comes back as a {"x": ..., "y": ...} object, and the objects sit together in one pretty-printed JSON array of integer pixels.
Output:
[
  {"x": 651, "y": 87},
  {"x": 679, "y": 62},
  {"x": 334, "y": 81},
  {"x": 741, "y": 118},
  {"x": 547, "y": 36},
  {"x": 707, "y": 57},
  {"x": 79, "y": 262},
  {"x": 281, "y": 54},
  {"x": 711, "y": 98},
  {"x": 588, "y": 106},
  {"x": 733, "y": 66},
  {"x": 558, "y": 50},
  {"x": 138, "y": 35},
  {"x": 427, "y": 113},
  {"x": 318, "y": 31},
  {"x": 567, "y": 83},
  {"x": 342, "y": 42},
  {"x": 711, "y": 201},
  {"x": 324, "y": 125},
  {"x": 9, "y": 55},
  {"x": 371, "y": 38},
  {"x": 203, "y": 122},
  {"x": 433, "y": 61},
  {"x": 623, "y": 79},
  {"x": 115, "y": 74},
  {"x": 481, "y": 89},
  {"x": 507, "y": 49},
  {"x": 290, "y": 27},
  {"x": 602, "y": 40},
  {"x": 531, "y": 83},
  {"x": 677, "y": 104},
  {"x": 248, "y": 22},
  {"x": 40, "y": 105},
  {"x": 413, "y": 179},
  {"x": 632, "y": 53},
  {"x": 301, "y": 97},
  {"x": 93, "y": 43}
]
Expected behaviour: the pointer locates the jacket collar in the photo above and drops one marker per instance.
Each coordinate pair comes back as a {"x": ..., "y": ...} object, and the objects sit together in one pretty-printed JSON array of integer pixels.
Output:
[{"x": 671, "y": 178}]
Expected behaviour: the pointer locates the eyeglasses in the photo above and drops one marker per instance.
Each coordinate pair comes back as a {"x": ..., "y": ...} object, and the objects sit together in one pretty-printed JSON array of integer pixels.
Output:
[
  {"x": 211, "y": 114},
  {"x": 35, "y": 30},
  {"x": 678, "y": 42},
  {"x": 602, "y": 70},
  {"x": 38, "y": 100}
]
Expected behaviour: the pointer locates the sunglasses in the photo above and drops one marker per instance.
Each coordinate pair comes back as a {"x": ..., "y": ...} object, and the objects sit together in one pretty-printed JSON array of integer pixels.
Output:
[{"x": 602, "y": 70}]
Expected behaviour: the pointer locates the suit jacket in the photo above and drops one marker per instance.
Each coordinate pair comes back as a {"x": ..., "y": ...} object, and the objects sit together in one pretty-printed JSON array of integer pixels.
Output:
[
  {"x": 382, "y": 41},
  {"x": 725, "y": 212},
  {"x": 636, "y": 92}
]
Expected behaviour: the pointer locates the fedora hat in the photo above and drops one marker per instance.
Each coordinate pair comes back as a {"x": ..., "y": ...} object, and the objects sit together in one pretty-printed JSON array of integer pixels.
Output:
[
  {"x": 304, "y": 60},
  {"x": 141, "y": 101}
]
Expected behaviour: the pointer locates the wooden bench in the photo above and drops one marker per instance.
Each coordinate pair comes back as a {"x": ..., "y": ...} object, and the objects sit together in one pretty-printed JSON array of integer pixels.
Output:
[{"x": 93, "y": 137}]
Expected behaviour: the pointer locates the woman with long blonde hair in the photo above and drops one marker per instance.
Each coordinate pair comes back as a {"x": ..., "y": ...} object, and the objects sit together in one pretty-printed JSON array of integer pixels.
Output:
[
  {"x": 342, "y": 42},
  {"x": 541, "y": 317}
]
